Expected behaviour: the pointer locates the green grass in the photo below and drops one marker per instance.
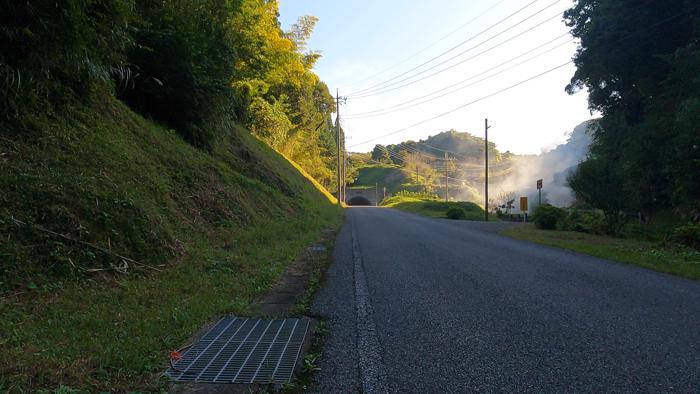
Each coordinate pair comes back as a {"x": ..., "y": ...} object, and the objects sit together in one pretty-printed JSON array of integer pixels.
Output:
[
  {"x": 434, "y": 208},
  {"x": 368, "y": 176},
  {"x": 655, "y": 255},
  {"x": 393, "y": 177},
  {"x": 220, "y": 226}
]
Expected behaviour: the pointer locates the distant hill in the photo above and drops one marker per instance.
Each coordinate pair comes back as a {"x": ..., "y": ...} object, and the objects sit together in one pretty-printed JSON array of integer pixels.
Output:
[
  {"x": 421, "y": 166},
  {"x": 451, "y": 157},
  {"x": 464, "y": 146}
]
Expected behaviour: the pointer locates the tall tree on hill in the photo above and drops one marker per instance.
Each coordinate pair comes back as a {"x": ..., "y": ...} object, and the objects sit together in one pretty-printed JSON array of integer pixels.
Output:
[{"x": 381, "y": 154}]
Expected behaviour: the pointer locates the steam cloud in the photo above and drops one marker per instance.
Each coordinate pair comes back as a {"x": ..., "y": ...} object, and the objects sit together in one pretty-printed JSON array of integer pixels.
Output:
[{"x": 553, "y": 167}]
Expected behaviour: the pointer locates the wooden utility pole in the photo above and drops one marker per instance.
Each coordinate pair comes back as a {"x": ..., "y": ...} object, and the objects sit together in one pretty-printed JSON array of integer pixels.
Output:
[
  {"x": 486, "y": 170},
  {"x": 447, "y": 178},
  {"x": 340, "y": 155},
  {"x": 345, "y": 166}
]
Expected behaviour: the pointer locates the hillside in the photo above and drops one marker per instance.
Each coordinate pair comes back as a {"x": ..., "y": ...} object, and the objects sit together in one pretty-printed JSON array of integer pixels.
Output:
[
  {"x": 424, "y": 166},
  {"x": 389, "y": 176},
  {"x": 119, "y": 240}
]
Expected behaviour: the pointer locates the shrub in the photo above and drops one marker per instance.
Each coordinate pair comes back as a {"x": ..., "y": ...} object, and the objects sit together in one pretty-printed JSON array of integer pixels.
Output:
[
  {"x": 548, "y": 217},
  {"x": 591, "y": 222},
  {"x": 53, "y": 51},
  {"x": 456, "y": 214},
  {"x": 688, "y": 235},
  {"x": 421, "y": 195}
]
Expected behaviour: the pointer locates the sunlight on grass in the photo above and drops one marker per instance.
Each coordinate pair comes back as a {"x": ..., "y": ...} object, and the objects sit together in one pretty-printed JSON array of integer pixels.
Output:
[
  {"x": 435, "y": 208},
  {"x": 662, "y": 257}
]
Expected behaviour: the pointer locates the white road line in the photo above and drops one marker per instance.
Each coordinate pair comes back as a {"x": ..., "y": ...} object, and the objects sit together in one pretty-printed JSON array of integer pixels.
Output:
[{"x": 372, "y": 370}]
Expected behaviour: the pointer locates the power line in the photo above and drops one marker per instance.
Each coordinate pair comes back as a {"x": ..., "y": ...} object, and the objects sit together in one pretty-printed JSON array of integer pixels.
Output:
[
  {"x": 507, "y": 88},
  {"x": 392, "y": 87},
  {"x": 386, "y": 84},
  {"x": 445, "y": 52},
  {"x": 465, "y": 105},
  {"x": 456, "y": 87},
  {"x": 431, "y": 45}
]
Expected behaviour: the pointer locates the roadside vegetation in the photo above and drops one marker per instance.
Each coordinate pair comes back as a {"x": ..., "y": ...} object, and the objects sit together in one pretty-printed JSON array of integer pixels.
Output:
[
  {"x": 638, "y": 191},
  {"x": 200, "y": 233},
  {"x": 657, "y": 255},
  {"x": 656, "y": 246},
  {"x": 161, "y": 163},
  {"x": 639, "y": 66}
]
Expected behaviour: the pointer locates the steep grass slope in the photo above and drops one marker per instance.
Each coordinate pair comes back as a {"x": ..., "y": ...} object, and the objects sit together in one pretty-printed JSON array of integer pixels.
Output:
[{"x": 198, "y": 233}]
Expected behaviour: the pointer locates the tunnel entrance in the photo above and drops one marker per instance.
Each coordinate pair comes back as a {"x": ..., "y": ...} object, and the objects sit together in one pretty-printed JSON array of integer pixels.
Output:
[{"x": 359, "y": 201}]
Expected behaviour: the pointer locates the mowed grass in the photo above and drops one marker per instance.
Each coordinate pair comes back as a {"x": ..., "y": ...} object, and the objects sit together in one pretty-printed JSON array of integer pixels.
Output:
[
  {"x": 434, "y": 208},
  {"x": 218, "y": 226},
  {"x": 663, "y": 257}
]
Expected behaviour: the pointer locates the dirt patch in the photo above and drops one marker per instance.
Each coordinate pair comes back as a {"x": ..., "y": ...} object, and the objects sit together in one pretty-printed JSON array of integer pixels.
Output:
[{"x": 298, "y": 282}]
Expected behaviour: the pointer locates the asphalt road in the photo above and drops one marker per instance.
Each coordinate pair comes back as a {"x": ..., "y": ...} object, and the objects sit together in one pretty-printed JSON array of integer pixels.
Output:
[{"x": 430, "y": 305}]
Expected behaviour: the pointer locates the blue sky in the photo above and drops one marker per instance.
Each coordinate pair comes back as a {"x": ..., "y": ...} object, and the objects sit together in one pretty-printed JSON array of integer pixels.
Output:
[{"x": 361, "y": 38}]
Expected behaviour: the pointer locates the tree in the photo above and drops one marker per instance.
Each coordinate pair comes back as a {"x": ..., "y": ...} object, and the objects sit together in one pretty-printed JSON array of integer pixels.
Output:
[
  {"x": 621, "y": 59},
  {"x": 601, "y": 184},
  {"x": 640, "y": 65},
  {"x": 381, "y": 154},
  {"x": 269, "y": 122}
]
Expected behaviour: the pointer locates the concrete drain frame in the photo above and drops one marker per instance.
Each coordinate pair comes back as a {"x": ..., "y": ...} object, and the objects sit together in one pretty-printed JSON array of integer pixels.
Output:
[{"x": 239, "y": 350}]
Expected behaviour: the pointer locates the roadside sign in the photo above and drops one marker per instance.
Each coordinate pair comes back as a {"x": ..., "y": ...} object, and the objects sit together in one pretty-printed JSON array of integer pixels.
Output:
[
  {"x": 539, "y": 184},
  {"x": 523, "y": 204}
]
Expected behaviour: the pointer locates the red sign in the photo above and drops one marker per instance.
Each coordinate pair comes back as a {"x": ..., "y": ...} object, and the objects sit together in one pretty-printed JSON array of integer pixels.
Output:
[{"x": 539, "y": 184}]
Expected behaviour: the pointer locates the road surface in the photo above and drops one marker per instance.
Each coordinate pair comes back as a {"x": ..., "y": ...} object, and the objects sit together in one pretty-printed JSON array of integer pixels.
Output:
[{"x": 415, "y": 304}]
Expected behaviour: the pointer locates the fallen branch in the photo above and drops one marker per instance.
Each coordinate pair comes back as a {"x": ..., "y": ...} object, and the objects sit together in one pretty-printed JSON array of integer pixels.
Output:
[
  {"x": 11, "y": 295},
  {"x": 101, "y": 249}
]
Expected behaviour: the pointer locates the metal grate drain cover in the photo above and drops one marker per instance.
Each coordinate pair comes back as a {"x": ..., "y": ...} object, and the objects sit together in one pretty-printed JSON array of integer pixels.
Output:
[{"x": 241, "y": 350}]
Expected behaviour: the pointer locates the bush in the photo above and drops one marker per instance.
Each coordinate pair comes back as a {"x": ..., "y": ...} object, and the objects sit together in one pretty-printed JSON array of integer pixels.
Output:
[
  {"x": 688, "y": 235},
  {"x": 548, "y": 217},
  {"x": 456, "y": 214},
  {"x": 54, "y": 51},
  {"x": 420, "y": 195},
  {"x": 591, "y": 222}
]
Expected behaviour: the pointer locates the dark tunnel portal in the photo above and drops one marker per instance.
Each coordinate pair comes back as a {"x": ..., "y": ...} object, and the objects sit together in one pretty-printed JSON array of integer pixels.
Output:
[{"x": 359, "y": 201}]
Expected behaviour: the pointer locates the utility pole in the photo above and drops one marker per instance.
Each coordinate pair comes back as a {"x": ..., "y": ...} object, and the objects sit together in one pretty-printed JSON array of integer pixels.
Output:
[
  {"x": 376, "y": 194},
  {"x": 486, "y": 170},
  {"x": 447, "y": 178},
  {"x": 345, "y": 166},
  {"x": 340, "y": 156}
]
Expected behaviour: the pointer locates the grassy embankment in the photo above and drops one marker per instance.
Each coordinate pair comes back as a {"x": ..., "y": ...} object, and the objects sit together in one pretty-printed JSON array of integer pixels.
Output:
[
  {"x": 202, "y": 234},
  {"x": 393, "y": 177},
  {"x": 434, "y": 208},
  {"x": 655, "y": 255}
]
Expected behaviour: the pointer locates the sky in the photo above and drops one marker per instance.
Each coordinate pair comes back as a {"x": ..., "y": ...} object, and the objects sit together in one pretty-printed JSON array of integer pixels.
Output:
[{"x": 371, "y": 49}]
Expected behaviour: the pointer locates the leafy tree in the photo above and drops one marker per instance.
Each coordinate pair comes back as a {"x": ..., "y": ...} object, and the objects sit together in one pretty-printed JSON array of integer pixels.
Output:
[
  {"x": 381, "y": 154},
  {"x": 601, "y": 184},
  {"x": 270, "y": 122},
  {"x": 196, "y": 65},
  {"x": 183, "y": 66},
  {"x": 640, "y": 64}
]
